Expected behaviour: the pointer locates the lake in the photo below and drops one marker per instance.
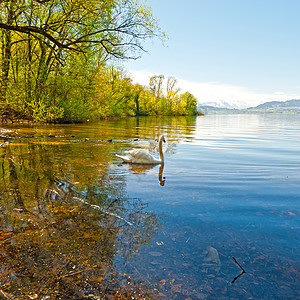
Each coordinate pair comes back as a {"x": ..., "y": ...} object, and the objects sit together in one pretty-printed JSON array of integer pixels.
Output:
[{"x": 220, "y": 219}]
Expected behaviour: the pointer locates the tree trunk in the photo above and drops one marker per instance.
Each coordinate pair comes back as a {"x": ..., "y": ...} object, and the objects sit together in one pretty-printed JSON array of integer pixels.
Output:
[{"x": 6, "y": 58}]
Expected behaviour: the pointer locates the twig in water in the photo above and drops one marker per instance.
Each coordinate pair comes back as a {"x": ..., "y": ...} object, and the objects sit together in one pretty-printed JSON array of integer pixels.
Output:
[
  {"x": 104, "y": 211},
  {"x": 242, "y": 273},
  {"x": 75, "y": 273},
  {"x": 238, "y": 264},
  {"x": 3, "y": 295}
]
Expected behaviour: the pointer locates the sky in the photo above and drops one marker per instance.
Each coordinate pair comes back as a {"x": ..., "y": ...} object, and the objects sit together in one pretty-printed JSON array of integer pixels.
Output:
[{"x": 243, "y": 52}]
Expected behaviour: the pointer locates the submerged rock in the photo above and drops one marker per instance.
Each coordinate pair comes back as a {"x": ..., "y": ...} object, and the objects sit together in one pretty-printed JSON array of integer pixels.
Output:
[
  {"x": 212, "y": 256},
  {"x": 212, "y": 263}
]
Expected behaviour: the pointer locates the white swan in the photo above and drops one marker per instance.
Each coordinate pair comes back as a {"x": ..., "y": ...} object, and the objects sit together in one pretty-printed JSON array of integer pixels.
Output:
[{"x": 141, "y": 156}]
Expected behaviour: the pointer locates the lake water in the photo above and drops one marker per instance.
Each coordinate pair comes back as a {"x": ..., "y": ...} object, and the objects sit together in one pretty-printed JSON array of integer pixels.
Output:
[{"x": 76, "y": 222}]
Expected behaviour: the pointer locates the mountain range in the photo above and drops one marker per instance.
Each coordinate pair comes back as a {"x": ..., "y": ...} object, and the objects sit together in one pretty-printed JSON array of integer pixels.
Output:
[{"x": 289, "y": 106}]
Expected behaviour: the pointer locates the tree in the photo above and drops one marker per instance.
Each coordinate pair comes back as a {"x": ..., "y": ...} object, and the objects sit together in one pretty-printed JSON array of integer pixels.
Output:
[
  {"x": 190, "y": 103},
  {"x": 172, "y": 94},
  {"x": 115, "y": 93},
  {"x": 6, "y": 51},
  {"x": 51, "y": 43},
  {"x": 137, "y": 90},
  {"x": 115, "y": 27},
  {"x": 156, "y": 86},
  {"x": 172, "y": 90}
]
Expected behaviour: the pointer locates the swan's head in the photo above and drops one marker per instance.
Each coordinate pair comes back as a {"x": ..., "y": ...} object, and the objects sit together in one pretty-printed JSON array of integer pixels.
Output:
[{"x": 162, "y": 139}]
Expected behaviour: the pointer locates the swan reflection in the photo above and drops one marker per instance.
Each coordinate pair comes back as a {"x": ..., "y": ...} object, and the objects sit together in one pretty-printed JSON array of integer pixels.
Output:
[
  {"x": 142, "y": 169},
  {"x": 161, "y": 179}
]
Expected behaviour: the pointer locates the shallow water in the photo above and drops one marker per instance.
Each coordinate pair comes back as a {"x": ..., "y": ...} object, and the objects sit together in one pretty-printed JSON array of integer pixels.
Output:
[{"x": 92, "y": 227}]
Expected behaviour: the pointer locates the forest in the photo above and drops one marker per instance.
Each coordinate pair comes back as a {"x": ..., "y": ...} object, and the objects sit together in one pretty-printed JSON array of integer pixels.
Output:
[{"x": 60, "y": 62}]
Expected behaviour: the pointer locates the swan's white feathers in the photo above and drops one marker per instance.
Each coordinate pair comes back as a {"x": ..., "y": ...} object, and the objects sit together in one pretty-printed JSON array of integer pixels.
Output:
[
  {"x": 142, "y": 156},
  {"x": 124, "y": 158},
  {"x": 139, "y": 156}
]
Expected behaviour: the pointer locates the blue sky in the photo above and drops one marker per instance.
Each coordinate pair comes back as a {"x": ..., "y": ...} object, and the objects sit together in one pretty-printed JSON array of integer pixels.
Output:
[{"x": 244, "y": 52}]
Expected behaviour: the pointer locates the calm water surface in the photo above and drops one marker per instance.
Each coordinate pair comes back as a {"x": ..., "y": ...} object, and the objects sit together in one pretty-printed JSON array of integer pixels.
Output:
[{"x": 76, "y": 222}]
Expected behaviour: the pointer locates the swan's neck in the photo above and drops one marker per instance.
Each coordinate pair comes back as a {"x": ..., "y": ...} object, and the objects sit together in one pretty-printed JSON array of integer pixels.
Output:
[{"x": 160, "y": 150}]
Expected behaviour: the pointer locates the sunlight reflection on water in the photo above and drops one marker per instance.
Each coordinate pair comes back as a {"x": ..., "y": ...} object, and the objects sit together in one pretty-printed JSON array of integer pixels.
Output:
[
  {"x": 230, "y": 187},
  {"x": 232, "y": 183}
]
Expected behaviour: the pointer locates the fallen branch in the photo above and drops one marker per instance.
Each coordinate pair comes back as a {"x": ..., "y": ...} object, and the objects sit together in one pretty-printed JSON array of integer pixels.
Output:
[
  {"x": 97, "y": 207},
  {"x": 238, "y": 264},
  {"x": 74, "y": 273},
  {"x": 242, "y": 273},
  {"x": 3, "y": 295},
  {"x": 104, "y": 211}
]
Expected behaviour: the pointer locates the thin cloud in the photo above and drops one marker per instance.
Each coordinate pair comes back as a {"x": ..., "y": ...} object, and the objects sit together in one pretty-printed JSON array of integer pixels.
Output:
[{"x": 216, "y": 92}]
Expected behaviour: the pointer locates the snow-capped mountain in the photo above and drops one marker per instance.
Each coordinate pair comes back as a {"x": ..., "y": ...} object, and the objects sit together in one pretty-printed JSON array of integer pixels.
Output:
[
  {"x": 289, "y": 106},
  {"x": 224, "y": 104}
]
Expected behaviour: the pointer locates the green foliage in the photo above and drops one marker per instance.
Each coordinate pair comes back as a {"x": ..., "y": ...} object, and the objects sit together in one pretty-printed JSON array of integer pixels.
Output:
[
  {"x": 190, "y": 103},
  {"x": 114, "y": 94},
  {"x": 51, "y": 53},
  {"x": 41, "y": 111},
  {"x": 54, "y": 62},
  {"x": 171, "y": 103}
]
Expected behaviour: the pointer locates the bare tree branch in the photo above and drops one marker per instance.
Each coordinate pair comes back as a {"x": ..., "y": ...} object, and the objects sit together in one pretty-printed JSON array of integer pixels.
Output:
[{"x": 116, "y": 27}]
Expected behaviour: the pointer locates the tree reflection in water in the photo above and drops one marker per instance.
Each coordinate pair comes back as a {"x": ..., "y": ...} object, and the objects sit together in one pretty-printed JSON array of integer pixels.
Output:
[{"x": 60, "y": 239}]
